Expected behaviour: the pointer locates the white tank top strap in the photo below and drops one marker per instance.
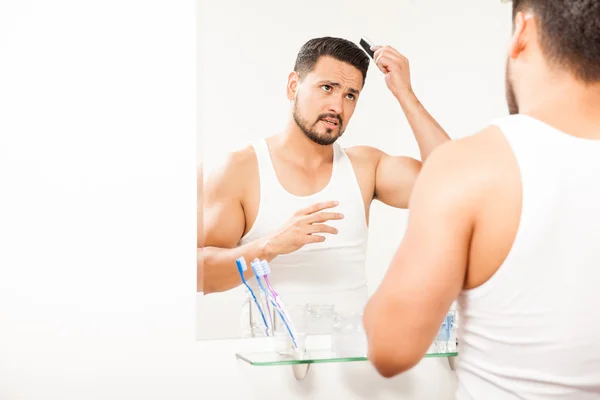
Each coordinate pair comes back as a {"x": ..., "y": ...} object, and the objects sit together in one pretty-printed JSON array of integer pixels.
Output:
[
  {"x": 266, "y": 171},
  {"x": 343, "y": 161}
]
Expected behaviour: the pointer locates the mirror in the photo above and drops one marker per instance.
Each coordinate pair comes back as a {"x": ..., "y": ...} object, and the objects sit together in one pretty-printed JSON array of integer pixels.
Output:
[{"x": 457, "y": 72}]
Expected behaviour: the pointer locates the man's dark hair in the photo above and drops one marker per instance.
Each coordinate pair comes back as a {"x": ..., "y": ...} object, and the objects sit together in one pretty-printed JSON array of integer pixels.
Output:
[
  {"x": 337, "y": 48},
  {"x": 569, "y": 32}
]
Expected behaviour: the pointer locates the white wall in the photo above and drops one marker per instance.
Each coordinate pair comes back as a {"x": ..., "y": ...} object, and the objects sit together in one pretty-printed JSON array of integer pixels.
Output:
[
  {"x": 97, "y": 201},
  {"x": 457, "y": 52}
]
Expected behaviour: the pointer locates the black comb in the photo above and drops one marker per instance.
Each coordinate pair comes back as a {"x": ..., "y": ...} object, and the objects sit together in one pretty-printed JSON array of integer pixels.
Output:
[{"x": 366, "y": 45}]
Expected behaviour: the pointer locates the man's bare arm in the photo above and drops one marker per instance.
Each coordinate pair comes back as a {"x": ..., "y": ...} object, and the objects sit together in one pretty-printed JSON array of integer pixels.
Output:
[
  {"x": 428, "y": 271},
  {"x": 224, "y": 223},
  {"x": 428, "y": 133},
  {"x": 395, "y": 176}
]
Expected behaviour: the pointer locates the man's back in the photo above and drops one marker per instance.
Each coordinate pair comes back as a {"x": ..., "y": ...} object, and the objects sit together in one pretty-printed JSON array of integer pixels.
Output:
[
  {"x": 507, "y": 222},
  {"x": 530, "y": 316}
]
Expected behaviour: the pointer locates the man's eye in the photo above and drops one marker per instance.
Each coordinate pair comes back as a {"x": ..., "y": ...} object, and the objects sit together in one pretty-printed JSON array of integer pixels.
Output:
[
  {"x": 351, "y": 96},
  {"x": 326, "y": 88}
]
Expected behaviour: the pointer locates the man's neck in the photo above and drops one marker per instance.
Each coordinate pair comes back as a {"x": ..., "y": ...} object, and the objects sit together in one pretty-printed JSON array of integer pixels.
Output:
[
  {"x": 566, "y": 104},
  {"x": 300, "y": 149}
]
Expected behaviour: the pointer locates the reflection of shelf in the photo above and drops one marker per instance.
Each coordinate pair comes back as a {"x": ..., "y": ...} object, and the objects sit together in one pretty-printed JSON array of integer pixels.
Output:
[{"x": 271, "y": 358}]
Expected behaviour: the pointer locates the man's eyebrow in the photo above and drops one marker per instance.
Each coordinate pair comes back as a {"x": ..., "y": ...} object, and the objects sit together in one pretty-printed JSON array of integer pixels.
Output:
[{"x": 336, "y": 84}]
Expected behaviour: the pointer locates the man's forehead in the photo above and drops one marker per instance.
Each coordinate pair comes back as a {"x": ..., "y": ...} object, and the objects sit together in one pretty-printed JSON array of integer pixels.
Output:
[{"x": 330, "y": 69}]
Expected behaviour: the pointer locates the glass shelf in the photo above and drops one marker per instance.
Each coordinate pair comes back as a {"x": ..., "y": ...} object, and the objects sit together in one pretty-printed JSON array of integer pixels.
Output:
[{"x": 270, "y": 358}]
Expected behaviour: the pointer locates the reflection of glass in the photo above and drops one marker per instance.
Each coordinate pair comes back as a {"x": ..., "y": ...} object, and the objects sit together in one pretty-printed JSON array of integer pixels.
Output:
[
  {"x": 299, "y": 324},
  {"x": 349, "y": 338},
  {"x": 251, "y": 319},
  {"x": 320, "y": 318}
]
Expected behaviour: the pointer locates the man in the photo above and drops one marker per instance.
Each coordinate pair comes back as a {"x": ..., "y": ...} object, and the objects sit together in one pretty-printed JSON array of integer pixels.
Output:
[
  {"x": 300, "y": 201},
  {"x": 508, "y": 222}
]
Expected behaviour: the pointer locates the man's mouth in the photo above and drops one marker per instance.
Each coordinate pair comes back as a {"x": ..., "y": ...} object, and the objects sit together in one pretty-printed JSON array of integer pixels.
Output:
[{"x": 330, "y": 121}]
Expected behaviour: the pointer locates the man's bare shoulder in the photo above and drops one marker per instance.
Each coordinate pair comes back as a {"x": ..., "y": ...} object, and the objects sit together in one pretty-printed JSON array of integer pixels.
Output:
[
  {"x": 483, "y": 149},
  {"x": 363, "y": 151},
  {"x": 236, "y": 163},
  {"x": 469, "y": 167},
  {"x": 364, "y": 154},
  {"x": 230, "y": 175},
  {"x": 373, "y": 155}
]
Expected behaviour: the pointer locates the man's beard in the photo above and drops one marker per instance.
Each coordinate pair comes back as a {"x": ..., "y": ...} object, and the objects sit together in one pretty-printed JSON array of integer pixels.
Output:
[
  {"x": 511, "y": 98},
  {"x": 325, "y": 139}
]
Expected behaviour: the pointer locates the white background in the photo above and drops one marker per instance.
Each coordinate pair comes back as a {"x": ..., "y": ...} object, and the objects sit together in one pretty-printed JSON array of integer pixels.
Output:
[
  {"x": 97, "y": 179},
  {"x": 97, "y": 200},
  {"x": 457, "y": 52}
]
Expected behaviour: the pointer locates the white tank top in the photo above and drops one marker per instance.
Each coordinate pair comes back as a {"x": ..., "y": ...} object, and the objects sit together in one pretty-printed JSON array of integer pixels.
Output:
[
  {"x": 330, "y": 272},
  {"x": 533, "y": 330}
]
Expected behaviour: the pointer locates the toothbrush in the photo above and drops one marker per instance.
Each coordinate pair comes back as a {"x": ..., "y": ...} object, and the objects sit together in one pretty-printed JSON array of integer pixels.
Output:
[
  {"x": 266, "y": 270},
  {"x": 256, "y": 268},
  {"x": 258, "y": 272},
  {"x": 241, "y": 266}
]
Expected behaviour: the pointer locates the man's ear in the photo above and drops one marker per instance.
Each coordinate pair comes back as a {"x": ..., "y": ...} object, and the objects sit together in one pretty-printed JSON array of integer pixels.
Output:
[
  {"x": 292, "y": 86},
  {"x": 524, "y": 27}
]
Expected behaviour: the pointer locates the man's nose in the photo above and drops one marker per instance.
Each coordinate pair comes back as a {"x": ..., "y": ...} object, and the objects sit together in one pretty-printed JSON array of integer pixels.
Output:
[{"x": 335, "y": 105}]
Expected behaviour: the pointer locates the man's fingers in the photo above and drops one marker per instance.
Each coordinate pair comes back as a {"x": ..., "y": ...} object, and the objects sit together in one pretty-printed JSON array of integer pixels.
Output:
[
  {"x": 317, "y": 207},
  {"x": 322, "y": 228},
  {"x": 383, "y": 64},
  {"x": 323, "y": 216},
  {"x": 314, "y": 238},
  {"x": 391, "y": 56}
]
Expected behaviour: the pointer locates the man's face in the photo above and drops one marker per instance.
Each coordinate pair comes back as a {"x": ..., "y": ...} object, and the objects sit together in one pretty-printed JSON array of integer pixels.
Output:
[
  {"x": 325, "y": 100},
  {"x": 511, "y": 98}
]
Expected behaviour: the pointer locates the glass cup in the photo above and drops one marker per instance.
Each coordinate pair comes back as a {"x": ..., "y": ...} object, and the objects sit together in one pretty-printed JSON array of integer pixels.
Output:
[
  {"x": 297, "y": 325},
  {"x": 349, "y": 338},
  {"x": 320, "y": 318},
  {"x": 252, "y": 322}
]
